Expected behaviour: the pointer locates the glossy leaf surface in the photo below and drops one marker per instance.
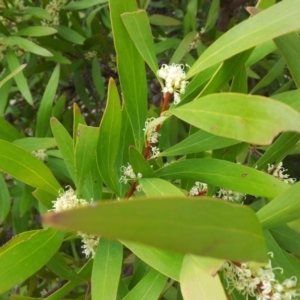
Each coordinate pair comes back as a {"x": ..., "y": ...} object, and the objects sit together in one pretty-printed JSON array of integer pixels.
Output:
[
  {"x": 240, "y": 117},
  {"x": 206, "y": 226}
]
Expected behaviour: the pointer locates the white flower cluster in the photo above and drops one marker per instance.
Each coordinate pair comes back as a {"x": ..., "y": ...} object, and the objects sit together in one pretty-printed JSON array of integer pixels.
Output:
[
  {"x": 129, "y": 175},
  {"x": 258, "y": 282},
  {"x": 231, "y": 196},
  {"x": 40, "y": 154},
  {"x": 68, "y": 200},
  {"x": 90, "y": 243},
  {"x": 278, "y": 173},
  {"x": 198, "y": 189},
  {"x": 175, "y": 82},
  {"x": 53, "y": 8},
  {"x": 152, "y": 136}
]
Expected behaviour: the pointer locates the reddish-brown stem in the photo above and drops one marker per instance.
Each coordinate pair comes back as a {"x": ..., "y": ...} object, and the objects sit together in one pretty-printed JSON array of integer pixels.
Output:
[
  {"x": 148, "y": 146},
  {"x": 131, "y": 190},
  {"x": 146, "y": 151}
]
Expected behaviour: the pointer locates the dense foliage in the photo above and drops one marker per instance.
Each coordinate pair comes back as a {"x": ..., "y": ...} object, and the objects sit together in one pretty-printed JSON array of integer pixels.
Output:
[{"x": 144, "y": 148}]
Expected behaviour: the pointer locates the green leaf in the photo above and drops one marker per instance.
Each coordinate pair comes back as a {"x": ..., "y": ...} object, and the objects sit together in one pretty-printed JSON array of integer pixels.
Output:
[
  {"x": 148, "y": 288},
  {"x": 98, "y": 80},
  {"x": 36, "y": 31},
  {"x": 131, "y": 70},
  {"x": 289, "y": 266},
  {"x": 13, "y": 64},
  {"x": 84, "y": 272},
  {"x": 45, "y": 198},
  {"x": 12, "y": 74},
  {"x": 273, "y": 74},
  {"x": 82, "y": 4},
  {"x": 278, "y": 20},
  {"x": 225, "y": 72},
  {"x": 32, "y": 250},
  {"x": 287, "y": 238},
  {"x": 282, "y": 209},
  {"x": 162, "y": 20},
  {"x": 205, "y": 226},
  {"x": 199, "y": 279},
  {"x": 107, "y": 270},
  {"x": 58, "y": 265},
  {"x": 8, "y": 132},
  {"x": 65, "y": 145},
  {"x": 159, "y": 187},
  {"x": 23, "y": 166},
  {"x": 69, "y": 34},
  {"x": 45, "y": 109},
  {"x": 200, "y": 141},
  {"x": 167, "y": 263},
  {"x": 26, "y": 45},
  {"x": 260, "y": 52},
  {"x": 85, "y": 151},
  {"x": 139, "y": 163},
  {"x": 32, "y": 143},
  {"x": 183, "y": 48},
  {"x": 37, "y": 12},
  {"x": 5, "y": 202},
  {"x": 288, "y": 45},
  {"x": 225, "y": 174},
  {"x": 109, "y": 138},
  {"x": 138, "y": 27},
  {"x": 278, "y": 150},
  {"x": 240, "y": 117}
]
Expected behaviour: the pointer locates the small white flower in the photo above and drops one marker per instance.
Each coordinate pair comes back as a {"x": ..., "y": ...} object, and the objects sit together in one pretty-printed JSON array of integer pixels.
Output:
[
  {"x": 129, "y": 174},
  {"x": 198, "y": 189},
  {"x": 175, "y": 82},
  {"x": 155, "y": 151},
  {"x": 231, "y": 196},
  {"x": 278, "y": 172},
  {"x": 68, "y": 200},
  {"x": 40, "y": 154},
  {"x": 258, "y": 282}
]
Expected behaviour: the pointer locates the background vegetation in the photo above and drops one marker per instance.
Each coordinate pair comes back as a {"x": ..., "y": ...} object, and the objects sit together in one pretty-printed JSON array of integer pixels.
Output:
[{"x": 120, "y": 183}]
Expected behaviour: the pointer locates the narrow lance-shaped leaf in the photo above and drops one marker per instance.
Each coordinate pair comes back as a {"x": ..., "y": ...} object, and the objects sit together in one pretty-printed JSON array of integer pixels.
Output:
[
  {"x": 131, "y": 70},
  {"x": 166, "y": 262},
  {"x": 8, "y": 131},
  {"x": 225, "y": 174},
  {"x": 32, "y": 250},
  {"x": 138, "y": 27},
  {"x": 37, "y": 31},
  {"x": 159, "y": 187},
  {"x": 13, "y": 64},
  {"x": 85, "y": 152},
  {"x": 278, "y": 150},
  {"x": 109, "y": 138},
  {"x": 45, "y": 109},
  {"x": 149, "y": 287},
  {"x": 282, "y": 209},
  {"x": 22, "y": 165},
  {"x": 278, "y": 20},
  {"x": 200, "y": 141},
  {"x": 107, "y": 268},
  {"x": 288, "y": 45},
  {"x": 205, "y": 226},
  {"x": 65, "y": 145},
  {"x": 26, "y": 45},
  {"x": 12, "y": 74},
  {"x": 240, "y": 117}
]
